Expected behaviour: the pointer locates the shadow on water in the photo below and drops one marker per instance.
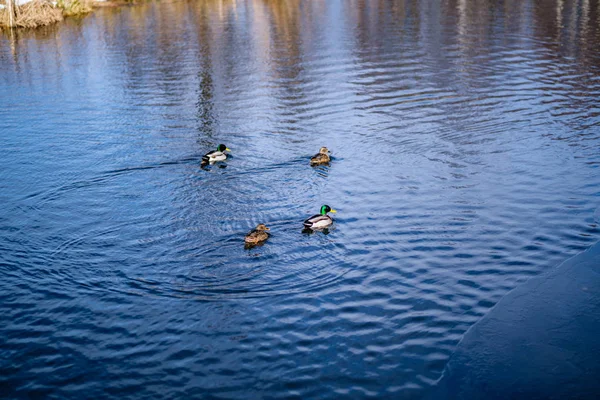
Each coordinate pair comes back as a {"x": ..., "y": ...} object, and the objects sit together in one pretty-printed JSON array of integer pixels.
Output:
[
  {"x": 465, "y": 137},
  {"x": 309, "y": 231}
]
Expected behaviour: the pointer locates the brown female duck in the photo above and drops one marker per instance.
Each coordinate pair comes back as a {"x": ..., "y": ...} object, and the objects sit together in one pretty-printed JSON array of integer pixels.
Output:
[
  {"x": 321, "y": 158},
  {"x": 257, "y": 235}
]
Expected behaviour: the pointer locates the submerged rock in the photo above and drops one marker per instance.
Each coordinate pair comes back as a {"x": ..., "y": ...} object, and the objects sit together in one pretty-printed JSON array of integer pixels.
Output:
[{"x": 541, "y": 341}]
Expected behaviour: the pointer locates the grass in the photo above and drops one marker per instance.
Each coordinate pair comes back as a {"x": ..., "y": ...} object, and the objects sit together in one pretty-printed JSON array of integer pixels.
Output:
[{"x": 75, "y": 7}]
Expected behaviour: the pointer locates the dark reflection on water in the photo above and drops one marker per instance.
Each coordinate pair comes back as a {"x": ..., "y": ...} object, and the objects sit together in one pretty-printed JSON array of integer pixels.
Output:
[{"x": 465, "y": 139}]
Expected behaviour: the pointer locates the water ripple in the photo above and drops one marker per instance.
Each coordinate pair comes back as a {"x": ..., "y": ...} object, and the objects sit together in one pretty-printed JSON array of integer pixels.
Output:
[{"x": 464, "y": 161}]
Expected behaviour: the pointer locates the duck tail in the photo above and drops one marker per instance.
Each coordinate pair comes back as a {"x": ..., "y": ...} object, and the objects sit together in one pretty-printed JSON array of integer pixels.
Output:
[{"x": 205, "y": 161}]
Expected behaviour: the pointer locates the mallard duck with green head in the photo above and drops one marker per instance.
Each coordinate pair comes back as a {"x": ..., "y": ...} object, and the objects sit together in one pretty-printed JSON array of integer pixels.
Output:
[
  {"x": 216, "y": 155},
  {"x": 257, "y": 235},
  {"x": 321, "y": 220},
  {"x": 321, "y": 158}
]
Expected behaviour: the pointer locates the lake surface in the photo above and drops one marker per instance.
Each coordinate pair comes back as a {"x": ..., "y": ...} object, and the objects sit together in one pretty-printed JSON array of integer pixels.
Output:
[{"x": 466, "y": 150}]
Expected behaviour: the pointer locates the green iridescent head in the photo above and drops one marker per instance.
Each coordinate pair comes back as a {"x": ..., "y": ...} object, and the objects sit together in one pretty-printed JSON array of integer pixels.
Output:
[{"x": 325, "y": 209}]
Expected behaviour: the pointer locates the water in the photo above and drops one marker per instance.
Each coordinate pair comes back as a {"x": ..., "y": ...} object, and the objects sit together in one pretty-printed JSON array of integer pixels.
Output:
[{"x": 465, "y": 139}]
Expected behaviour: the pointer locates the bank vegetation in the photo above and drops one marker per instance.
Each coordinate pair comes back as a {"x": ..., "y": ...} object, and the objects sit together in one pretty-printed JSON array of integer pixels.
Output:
[{"x": 34, "y": 13}]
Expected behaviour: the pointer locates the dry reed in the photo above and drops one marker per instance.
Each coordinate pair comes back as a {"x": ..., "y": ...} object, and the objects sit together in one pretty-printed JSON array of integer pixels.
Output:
[
  {"x": 43, "y": 12},
  {"x": 33, "y": 14}
]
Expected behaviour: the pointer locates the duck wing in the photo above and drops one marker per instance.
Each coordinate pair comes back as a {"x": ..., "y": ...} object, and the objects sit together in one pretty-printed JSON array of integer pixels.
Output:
[
  {"x": 213, "y": 154},
  {"x": 256, "y": 235},
  {"x": 319, "y": 158},
  {"x": 207, "y": 156},
  {"x": 315, "y": 219}
]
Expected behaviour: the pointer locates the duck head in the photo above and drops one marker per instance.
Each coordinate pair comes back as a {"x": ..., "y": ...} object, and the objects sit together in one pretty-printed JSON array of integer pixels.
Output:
[
  {"x": 325, "y": 209},
  {"x": 262, "y": 227}
]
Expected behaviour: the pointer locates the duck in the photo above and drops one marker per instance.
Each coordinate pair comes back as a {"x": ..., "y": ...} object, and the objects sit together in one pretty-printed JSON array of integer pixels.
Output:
[
  {"x": 257, "y": 235},
  {"x": 215, "y": 155},
  {"x": 321, "y": 158},
  {"x": 321, "y": 220}
]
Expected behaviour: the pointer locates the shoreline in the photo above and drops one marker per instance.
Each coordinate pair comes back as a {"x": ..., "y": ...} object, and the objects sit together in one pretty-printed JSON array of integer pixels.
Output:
[
  {"x": 37, "y": 13},
  {"x": 112, "y": 3}
]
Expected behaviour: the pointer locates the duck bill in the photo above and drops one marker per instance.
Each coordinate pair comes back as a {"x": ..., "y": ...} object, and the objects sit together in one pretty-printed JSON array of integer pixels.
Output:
[
  {"x": 267, "y": 229},
  {"x": 333, "y": 211},
  {"x": 227, "y": 149}
]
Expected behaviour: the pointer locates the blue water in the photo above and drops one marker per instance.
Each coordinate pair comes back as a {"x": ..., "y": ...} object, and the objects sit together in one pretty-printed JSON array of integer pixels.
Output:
[{"x": 466, "y": 145}]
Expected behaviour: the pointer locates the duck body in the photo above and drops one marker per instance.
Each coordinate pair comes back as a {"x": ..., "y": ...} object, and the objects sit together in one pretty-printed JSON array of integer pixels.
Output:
[
  {"x": 257, "y": 235},
  {"x": 320, "y": 221},
  {"x": 215, "y": 155},
  {"x": 320, "y": 158}
]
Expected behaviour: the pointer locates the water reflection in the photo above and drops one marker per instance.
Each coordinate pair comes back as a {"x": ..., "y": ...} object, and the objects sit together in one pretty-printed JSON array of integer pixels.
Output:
[{"x": 465, "y": 141}]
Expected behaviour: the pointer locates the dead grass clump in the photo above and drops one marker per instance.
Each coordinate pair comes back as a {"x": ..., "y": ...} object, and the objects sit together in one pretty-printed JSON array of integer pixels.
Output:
[{"x": 33, "y": 14}]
